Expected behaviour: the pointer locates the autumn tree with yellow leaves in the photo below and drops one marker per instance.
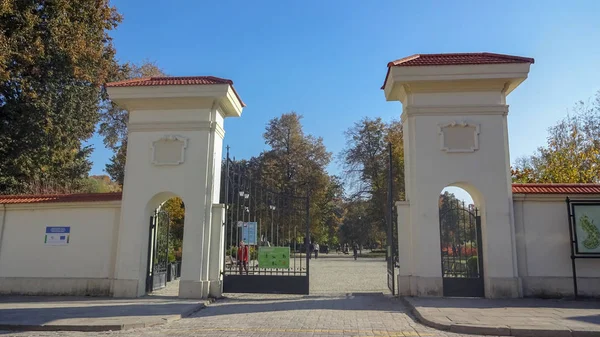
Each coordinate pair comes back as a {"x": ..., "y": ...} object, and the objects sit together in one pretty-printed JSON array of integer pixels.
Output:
[{"x": 572, "y": 153}]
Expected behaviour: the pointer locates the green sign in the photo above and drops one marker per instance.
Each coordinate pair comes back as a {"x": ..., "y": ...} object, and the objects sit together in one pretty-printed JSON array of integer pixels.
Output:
[
  {"x": 587, "y": 228},
  {"x": 274, "y": 257}
]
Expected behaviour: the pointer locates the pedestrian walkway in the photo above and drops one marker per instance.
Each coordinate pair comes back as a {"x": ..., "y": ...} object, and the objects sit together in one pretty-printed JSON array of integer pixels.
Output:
[
  {"x": 285, "y": 316},
  {"x": 514, "y": 317},
  {"x": 340, "y": 274},
  {"x": 91, "y": 314},
  {"x": 356, "y": 315}
]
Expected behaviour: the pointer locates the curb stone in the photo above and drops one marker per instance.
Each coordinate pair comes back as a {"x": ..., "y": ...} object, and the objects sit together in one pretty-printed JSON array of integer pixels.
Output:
[
  {"x": 523, "y": 331},
  {"x": 104, "y": 327},
  {"x": 195, "y": 309}
]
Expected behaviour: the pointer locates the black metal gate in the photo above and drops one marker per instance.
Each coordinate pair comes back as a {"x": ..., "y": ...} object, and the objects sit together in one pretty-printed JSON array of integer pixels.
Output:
[
  {"x": 267, "y": 233},
  {"x": 391, "y": 228},
  {"x": 158, "y": 251},
  {"x": 462, "y": 261}
]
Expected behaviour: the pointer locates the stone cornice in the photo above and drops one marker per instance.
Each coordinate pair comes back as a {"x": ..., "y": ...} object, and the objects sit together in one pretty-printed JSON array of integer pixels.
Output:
[
  {"x": 177, "y": 126},
  {"x": 502, "y": 78},
  {"x": 174, "y": 97},
  {"x": 462, "y": 110}
]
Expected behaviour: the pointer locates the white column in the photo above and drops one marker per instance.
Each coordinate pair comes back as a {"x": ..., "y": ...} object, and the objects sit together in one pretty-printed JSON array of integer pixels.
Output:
[
  {"x": 174, "y": 149},
  {"x": 470, "y": 102},
  {"x": 216, "y": 250},
  {"x": 199, "y": 246}
]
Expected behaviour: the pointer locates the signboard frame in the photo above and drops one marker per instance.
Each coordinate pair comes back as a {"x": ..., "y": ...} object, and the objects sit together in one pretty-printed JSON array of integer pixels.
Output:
[
  {"x": 63, "y": 240},
  {"x": 576, "y": 253},
  {"x": 266, "y": 254},
  {"x": 576, "y": 225},
  {"x": 249, "y": 231}
]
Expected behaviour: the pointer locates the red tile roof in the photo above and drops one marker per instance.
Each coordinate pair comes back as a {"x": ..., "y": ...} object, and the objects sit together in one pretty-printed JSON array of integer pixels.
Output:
[
  {"x": 457, "y": 59},
  {"x": 167, "y": 80},
  {"x": 556, "y": 188},
  {"x": 99, "y": 197},
  {"x": 172, "y": 80},
  {"x": 452, "y": 59},
  {"x": 86, "y": 197}
]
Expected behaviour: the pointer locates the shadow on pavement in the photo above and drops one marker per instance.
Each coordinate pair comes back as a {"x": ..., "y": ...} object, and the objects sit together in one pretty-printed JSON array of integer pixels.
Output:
[
  {"x": 37, "y": 311},
  {"x": 371, "y": 302},
  {"x": 593, "y": 319},
  {"x": 76, "y": 311}
]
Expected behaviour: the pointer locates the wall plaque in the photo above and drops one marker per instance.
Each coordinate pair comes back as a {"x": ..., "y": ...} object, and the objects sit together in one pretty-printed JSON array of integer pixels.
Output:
[
  {"x": 169, "y": 150},
  {"x": 459, "y": 137}
]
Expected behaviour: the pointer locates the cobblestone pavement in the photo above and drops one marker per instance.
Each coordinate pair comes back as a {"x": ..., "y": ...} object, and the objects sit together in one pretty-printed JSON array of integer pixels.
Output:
[
  {"x": 330, "y": 310},
  {"x": 171, "y": 290},
  {"x": 287, "y": 316},
  {"x": 340, "y": 274},
  {"x": 519, "y": 316}
]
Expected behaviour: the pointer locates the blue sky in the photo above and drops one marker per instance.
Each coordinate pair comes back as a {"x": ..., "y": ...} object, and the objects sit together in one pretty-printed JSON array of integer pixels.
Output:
[{"x": 327, "y": 59}]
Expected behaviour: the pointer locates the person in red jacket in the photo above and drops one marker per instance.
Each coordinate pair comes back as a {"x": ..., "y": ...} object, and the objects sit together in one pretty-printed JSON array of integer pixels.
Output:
[{"x": 242, "y": 257}]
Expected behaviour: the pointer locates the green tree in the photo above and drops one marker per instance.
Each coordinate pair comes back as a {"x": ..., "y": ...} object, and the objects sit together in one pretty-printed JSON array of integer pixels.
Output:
[
  {"x": 54, "y": 57},
  {"x": 294, "y": 164},
  {"x": 100, "y": 184},
  {"x": 356, "y": 227},
  {"x": 331, "y": 209},
  {"x": 366, "y": 170},
  {"x": 572, "y": 153},
  {"x": 113, "y": 119},
  {"x": 176, "y": 209},
  {"x": 294, "y": 159}
]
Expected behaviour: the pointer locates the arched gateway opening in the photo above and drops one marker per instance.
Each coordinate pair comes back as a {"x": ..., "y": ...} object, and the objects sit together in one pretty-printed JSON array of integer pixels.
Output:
[
  {"x": 165, "y": 247},
  {"x": 175, "y": 136},
  {"x": 460, "y": 244}
]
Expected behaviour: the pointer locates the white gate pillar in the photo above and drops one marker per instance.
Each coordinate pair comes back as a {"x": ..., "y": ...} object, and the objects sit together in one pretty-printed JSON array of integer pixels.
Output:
[
  {"x": 175, "y": 137},
  {"x": 454, "y": 120}
]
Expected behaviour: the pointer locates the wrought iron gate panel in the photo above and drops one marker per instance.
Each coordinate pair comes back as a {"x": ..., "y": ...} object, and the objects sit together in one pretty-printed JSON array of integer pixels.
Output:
[
  {"x": 158, "y": 251},
  {"x": 462, "y": 261},
  {"x": 262, "y": 217}
]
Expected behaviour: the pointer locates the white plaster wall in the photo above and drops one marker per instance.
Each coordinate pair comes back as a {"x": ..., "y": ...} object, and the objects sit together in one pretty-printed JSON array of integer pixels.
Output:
[
  {"x": 146, "y": 185},
  {"x": 458, "y": 98},
  {"x": 483, "y": 173},
  {"x": 169, "y": 115},
  {"x": 90, "y": 254},
  {"x": 542, "y": 236}
]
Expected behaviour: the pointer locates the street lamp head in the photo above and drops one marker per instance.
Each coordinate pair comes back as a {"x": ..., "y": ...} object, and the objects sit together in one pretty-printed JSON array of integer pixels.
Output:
[
  {"x": 272, "y": 207},
  {"x": 241, "y": 193},
  {"x": 246, "y": 195}
]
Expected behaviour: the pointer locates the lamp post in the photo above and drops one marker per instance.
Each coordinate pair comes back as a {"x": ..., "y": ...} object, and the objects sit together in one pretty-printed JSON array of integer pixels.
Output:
[
  {"x": 245, "y": 209},
  {"x": 272, "y": 208}
]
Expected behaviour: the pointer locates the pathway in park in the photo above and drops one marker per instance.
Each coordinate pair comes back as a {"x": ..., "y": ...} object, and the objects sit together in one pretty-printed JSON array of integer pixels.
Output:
[
  {"x": 331, "y": 310},
  {"x": 287, "y": 316},
  {"x": 348, "y": 298},
  {"x": 335, "y": 273}
]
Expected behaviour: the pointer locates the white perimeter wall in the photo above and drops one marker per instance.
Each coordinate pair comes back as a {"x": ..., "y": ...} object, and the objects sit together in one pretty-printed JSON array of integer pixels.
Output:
[
  {"x": 83, "y": 267},
  {"x": 543, "y": 251}
]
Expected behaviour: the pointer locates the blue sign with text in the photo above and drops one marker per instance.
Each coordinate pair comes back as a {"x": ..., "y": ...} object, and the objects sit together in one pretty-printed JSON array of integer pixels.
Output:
[{"x": 57, "y": 236}]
